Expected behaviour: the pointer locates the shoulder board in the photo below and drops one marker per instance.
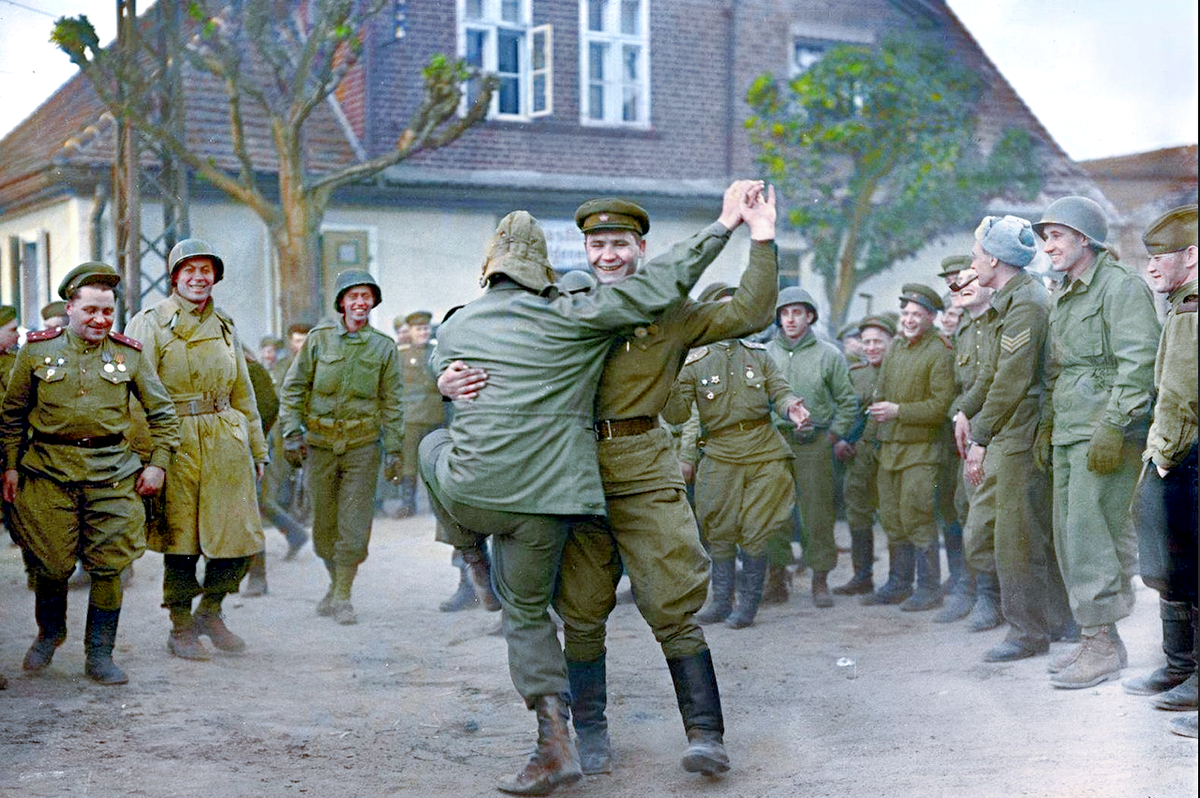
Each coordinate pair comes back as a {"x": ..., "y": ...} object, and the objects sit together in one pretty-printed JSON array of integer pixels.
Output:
[
  {"x": 695, "y": 354},
  {"x": 751, "y": 344},
  {"x": 125, "y": 339},
  {"x": 43, "y": 335},
  {"x": 860, "y": 365},
  {"x": 1187, "y": 307},
  {"x": 403, "y": 347}
]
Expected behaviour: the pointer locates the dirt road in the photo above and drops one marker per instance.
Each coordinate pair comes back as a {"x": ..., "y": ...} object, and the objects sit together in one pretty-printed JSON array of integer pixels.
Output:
[{"x": 415, "y": 702}]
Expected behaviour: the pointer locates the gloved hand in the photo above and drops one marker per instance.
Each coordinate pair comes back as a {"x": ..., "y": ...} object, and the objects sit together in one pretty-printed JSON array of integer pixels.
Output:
[
  {"x": 392, "y": 467},
  {"x": 294, "y": 450},
  {"x": 1104, "y": 452},
  {"x": 1043, "y": 456}
]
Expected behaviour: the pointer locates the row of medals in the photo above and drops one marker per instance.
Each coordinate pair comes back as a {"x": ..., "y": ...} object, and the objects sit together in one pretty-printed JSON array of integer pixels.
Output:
[{"x": 111, "y": 364}]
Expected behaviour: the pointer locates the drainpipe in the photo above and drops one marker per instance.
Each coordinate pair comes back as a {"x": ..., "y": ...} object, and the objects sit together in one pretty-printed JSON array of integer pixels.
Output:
[{"x": 730, "y": 85}]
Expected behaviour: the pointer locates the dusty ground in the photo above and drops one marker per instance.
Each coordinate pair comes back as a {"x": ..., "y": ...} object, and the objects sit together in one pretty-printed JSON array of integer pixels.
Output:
[{"x": 415, "y": 702}]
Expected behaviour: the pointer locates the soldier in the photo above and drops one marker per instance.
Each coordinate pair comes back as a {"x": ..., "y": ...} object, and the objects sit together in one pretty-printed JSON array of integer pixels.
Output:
[
  {"x": 1103, "y": 332},
  {"x": 1165, "y": 503},
  {"x": 998, "y": 419},
  {"x": 54, "y": 315},
  {"x": 423, "y": 410},
  {"x": 9, "y": 335},
  {"x": 818, "y": 372},
  {"x": 209, "y": 505},
  {"x": 71, "y": 475},
  {"x": 850, "y": 338},
  {"x": 401, "y": 328},
  {"x": 268, "y": 352},
  {"x": 862, "y": 494},
  {"x": 912, "y": 396},
  {"x": 526, "y": 335},
  {"x": 341, "y": 413}
]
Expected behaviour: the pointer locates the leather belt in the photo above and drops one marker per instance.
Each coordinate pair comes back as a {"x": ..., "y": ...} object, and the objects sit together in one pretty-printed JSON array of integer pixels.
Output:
[
  {"x": 608, "y": 429},
  {"x": 740, "y": 426},
  {"x": 335, "y": 423},
  {"x": 85, "y": 442},
  {"x": 203, "y": 406}
]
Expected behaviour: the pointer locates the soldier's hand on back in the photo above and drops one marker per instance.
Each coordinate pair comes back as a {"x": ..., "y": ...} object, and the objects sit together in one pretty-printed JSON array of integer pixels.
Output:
[{"x": 460, "y": 381}]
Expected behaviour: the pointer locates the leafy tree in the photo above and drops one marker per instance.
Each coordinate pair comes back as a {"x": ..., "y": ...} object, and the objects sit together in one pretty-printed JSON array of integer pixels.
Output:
[
  {"x": 876, "y": 148},
  {"x": 277, "y": 60}
]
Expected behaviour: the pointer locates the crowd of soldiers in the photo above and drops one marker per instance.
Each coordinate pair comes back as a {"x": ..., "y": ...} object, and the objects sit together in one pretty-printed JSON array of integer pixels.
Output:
[{"x": 603, "y": 424}]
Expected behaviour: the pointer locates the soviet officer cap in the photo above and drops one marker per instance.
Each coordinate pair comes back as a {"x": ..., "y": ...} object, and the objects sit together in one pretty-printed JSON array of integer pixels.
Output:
[
  {"x": 7, "y": 314},
  {"x": 611, "y": 213},
  {"x": 1171, "y": 232},
  {"x": 953, "y": 265},
  {"x": 881, "y": 322},
  {"x": 714, "y": 291},
  {"x": 418, "y": 317},
  {"x": 923, "y": 295},
  {"x": 54, "y": 309},
  {"x": 90, "y": 273},
  {"x": 849, "y": 330}
]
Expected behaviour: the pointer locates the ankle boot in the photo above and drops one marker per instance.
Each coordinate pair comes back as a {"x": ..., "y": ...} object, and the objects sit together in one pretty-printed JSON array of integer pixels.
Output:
[
  {"x": 1178, "y": 644},
  {"x": 901, "y": 563},
  {"x": 479, "y": 572},
  {"x": 986, "y": 614},
  {"x": 862, "y": 556},
  {"x": 341, "y": 608},
  {"x": 589, "y": 697},
  {"x": 929, "y": 580},
  {"x": 325, "y": 605},
  {"x": 749, "y": 592},
  {"x": 720, "y": 594},
  {"x": 464, "y": 597},
  {"x": 820, "y": 590},
  {"x": 98, "y": 639},
  {"x": 554, "y": 761},
  {"x": 256, "y": 576},
  {"x": 183, "y": 641},
  {"x": 699, "y": 701},
  {"x": 50, "y": 611},
  {"x": 775, "y": 588}
]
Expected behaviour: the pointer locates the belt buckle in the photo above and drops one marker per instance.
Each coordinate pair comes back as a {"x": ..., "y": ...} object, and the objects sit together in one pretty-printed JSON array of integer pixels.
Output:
[
  {"x": 83, "y": 442},
  {"x": 604, "y": 429}
]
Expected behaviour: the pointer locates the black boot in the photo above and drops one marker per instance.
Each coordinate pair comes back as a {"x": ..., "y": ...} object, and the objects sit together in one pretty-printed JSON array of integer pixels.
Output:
[
  {"x": 1178, "y": 645},
  {"x": 408, "y": 498},
  {"x": 589, "y": 698},
  {"x": 700, "y": 707},
  {"x": 956, "y": 559},
  {"x": 99, "y": 639},
  {"x": 901, "y": 563},
  {"x": 959, "y": 601},
  {"x": 720, "y": 594},
  {"x": 479, "y": 573},
  {"x": 986, "y": 613},
  {"x": 256, "y": 576},
  {"x": 929, "y": 580},
  {"x": 862, "y": 555},
  {"x": 554, "y": 761},
  {"x": 820, "y": 590},
  {"x": 749, "y": 593},
  {"x": 464, "y": 597},
  {"x": 50, "y": 611},
  {"x": 1183, "y": 696}
]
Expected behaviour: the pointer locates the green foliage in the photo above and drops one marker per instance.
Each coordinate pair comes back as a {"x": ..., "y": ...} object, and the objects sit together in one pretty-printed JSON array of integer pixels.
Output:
[{"x": 876, "y": 149}]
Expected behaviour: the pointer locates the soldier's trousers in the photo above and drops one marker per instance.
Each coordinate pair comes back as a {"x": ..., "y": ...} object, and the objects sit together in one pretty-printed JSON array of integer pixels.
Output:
[
  {"x": 526, "y": 552},
  {"x": 742, "y": 505},
  {"x": 1093, "y": 537},
  {"x": 222, "y": 576},
  {"x": 342, "y": 487},
  {"x": 654, "y": 535},
  {"x": 812, "y": 478},
  {"x": 1164, "y": 514},
  {"x": 906, "y": 508},
  {"x": 980, "y": 528},
  {"x": 862, "y": 487}
]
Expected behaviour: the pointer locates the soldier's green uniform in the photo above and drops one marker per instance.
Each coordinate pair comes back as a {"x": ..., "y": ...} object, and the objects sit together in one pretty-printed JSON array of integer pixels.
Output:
[
  {"x": 65, "y": 426},
  {"x": 343, "y": 397},
  {"x": 424, "y": 410}
]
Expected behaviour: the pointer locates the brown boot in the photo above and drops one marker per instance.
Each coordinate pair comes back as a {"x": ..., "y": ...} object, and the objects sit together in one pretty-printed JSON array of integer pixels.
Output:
[
  {"x": 820, "y": 590},
  {"x": 554, "y": 762},
  {"x": 1097, "y": 659},
  {"x": 775, "y": 590},
  {"x": 256, "y": 576},
  {"x": 479, "y": 572},
  {"x": 212, "y": 625}
]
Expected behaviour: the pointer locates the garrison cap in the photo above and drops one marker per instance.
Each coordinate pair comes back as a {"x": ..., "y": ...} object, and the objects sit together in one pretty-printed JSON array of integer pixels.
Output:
[
  {"x": 418, "y": 317},
  {"x": 714, "y": 291},
  {"x": 923, "y": 295},
  {"x": 58, "y": 308},
  {"x": 90, "y": 273},
  {"x": 884, "y": 323},
  {"x": 1171, "y": 232},
  {"x": 7, "y": 314},
  {"x": 611, "y": 213},
  {"x": 953, "y": 265}
]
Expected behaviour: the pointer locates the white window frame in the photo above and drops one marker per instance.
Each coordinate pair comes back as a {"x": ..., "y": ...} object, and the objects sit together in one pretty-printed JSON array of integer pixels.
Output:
[
  {"x": 531, "y": 102},
  {"x": 612, "y": 115}
]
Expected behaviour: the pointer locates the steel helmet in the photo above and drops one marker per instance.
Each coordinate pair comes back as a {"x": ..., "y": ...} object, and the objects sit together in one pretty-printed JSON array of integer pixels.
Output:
[
  {"x": 349, "y": 279},
  {"x": 795, "y": 295},
  {"x": 1083, "y": 215},
  {"x": 191, "y": 248},
  {"x": 518, "y": 251}
]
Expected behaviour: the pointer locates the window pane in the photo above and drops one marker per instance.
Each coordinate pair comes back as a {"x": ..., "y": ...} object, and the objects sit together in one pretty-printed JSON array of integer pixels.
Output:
[
  {"x": 596, "y": 101},
  {"x": 806, "y": 55},
  {"x": 510, "y": 10},
  {"x": 597, "y": 52},
  {"x": 510, "y": 96},
  {"x": 474, "y": 9},
  {"x": 475, "y": 43},
  {"x": 630, "y": 63},
  {"x": 539, "y": 50},
  {"x": 508, "y": 51},
  {"x": 631, "y": 17},
  {"x": 596, "y": 10},
  {"x": 539, "y": 93},
  {"x": 629, "y": 106}
]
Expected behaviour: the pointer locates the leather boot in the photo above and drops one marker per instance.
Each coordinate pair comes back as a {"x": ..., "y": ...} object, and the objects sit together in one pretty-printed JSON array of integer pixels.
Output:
[
  {"x": 1097, "y": 659},
  {"x": 99, "y": 638},
  {"x": 183, "y": 641},
  {"x": 1179, "y": 646},
  {"x": 775, "y": 588},
  {"x": 50, "y": 611},
  {"x": 479, "y": 572},
  {"x": 1183, "y": 697},
  {"x": 959, "y": 602},
  {"x": 986, "y": 613},
  {"x": 589, "y": 697},
  {"x": 256, "y": 576},
  {"x": 1184, "y": 727},
  {"x": 901, "y": 563},
  {"x": 720, "y": 594},
  {"x": 464, "y": 597},
  {"x": 554, "y": 761},
  {"x": 929, "y": 580},
  {"x": 749, "y": 593},
  {"x": 408, "y": 498},
  {"x": 341, "y": 608},
  {"x": 820, "y": 590},
  {"x": 699, "y": 701},
  {"x": 862, "y": 556},
  {"x": 209, "y": 623},
  {"x": 956, "y": 559}
]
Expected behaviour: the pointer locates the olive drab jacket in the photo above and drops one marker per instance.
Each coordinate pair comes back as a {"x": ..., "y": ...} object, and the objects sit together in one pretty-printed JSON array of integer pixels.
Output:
[
  {"x": 210, "y": 501},
  {"x": 344, "y": 390},
  {"x": 919, "y": 376},
  {"x": 817, "y": 371},
  {"x": 63, "y": 386},
  {"x": 969, "y": 350},
  {"x": 1103, "y": 338},
  {"x": 1173, "y": 432}
]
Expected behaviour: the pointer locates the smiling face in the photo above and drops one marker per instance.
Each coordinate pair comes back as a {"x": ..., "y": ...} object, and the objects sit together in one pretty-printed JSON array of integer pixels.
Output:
[
  {"x": 356, "y": 305},
  {"x": 1068, "y": 250},
  {"x": 915, "y": 320},
  {"x": 194, "y": 279},
  {"x": 9, "y": 336},
  {"x": 795, "y": 320},
  {"x": 1172, "y": 269},
  {"x": 875, "y": 344},
  {"x": 613, "y": 254},
  {"x": 90, "y": 312}
]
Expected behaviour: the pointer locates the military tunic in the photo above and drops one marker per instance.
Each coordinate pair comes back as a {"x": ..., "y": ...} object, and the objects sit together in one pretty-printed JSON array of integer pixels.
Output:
[
  {"x": 919, "y": 377},
  {"x": 651, "y": 530},
  {"x": 818, "y": 372},
  {"x": 424, "y": 410},
  {"x": 1104, "y": 333},
  {"x": 65, "y": 425},
  {"x": 862, "y": 490},
  {"x": 343, "y": 393},
  {"x": 974, "y": 505},
  {"x": 744, "y": 491}
]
